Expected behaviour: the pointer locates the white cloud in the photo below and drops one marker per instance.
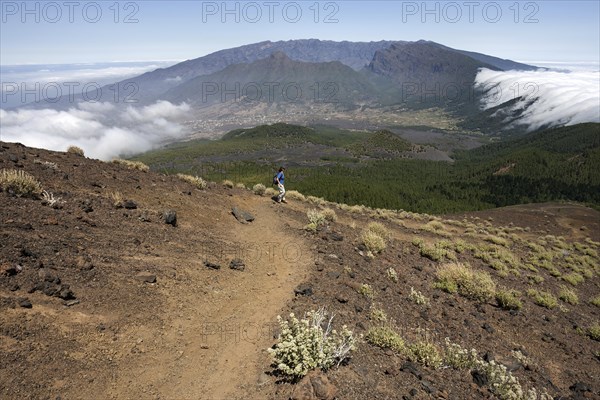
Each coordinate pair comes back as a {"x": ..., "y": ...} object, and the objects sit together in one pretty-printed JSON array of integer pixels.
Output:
[
  {"x": 101, "y": 129},
  {"x": 548, "y": 97}
]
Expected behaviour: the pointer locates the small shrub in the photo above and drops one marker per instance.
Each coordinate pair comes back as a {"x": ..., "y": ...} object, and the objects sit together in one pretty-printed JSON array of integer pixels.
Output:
[
  {"x": 294, "y": 194},
  {"x": 509, "y": 299},
  {"x": 497, "y": 240},
  {"x": 240, "y": 185},
  {"x": 259, "y": 189},
  {"x": 117, "y": 199},
  {"x": 366, "y": 290},
  {"x": 426, "y": 353},
  {"x": 458, "y": 357},
  {"x": 310, "y": 343},
  {"x": 50, "y": 200},
  {"x": 372, "y": 241},
  {"x": 461, "y": 278},
  {"x": 595, "y": 301},
  {"x": 194, "y": 180},
  {"x": 75, "y": 150},
  {"x": 227, "y": 183},
  {"x": 271, "y": 191},
  {"x": 378, "y": 315},
  {"x": 140, "y": 166},
  {"x": 418, "y": 297},
  {"x": 541, "y": 298},
  {"x": 20, "y": 183},
  {"x": 315, "y": 217},
  {"x": 329, "y": 214},
  {"x": 568, "y": 295},
  {"x": 392, "y": 274},
  {"x": 594, "y": 331},
  {"x": 379, "y": 229},
  {"x": 386, "y": 338},
  {"x": 573, "y": 278}
]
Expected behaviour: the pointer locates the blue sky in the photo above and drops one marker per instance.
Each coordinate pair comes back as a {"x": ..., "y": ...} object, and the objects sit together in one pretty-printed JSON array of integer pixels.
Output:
[{"x": 44, "y": 32}]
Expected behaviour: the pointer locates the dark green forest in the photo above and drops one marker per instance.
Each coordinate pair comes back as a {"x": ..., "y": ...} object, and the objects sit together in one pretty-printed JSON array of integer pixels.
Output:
[{"x": 560, "y": 164}]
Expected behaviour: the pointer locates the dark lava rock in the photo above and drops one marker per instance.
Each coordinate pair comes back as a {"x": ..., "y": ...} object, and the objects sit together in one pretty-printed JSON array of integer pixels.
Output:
[
  {"x": 411, "y": 368},
  {"x": 336, "y": 236},
  {"x": 241, "y": 215},
  {"x": 237, "y": 264},
  {"x": 24, "y": 302},
  {"x": 314, "y": 386},
  {"x": 25, "y": 252},
  {"x": 129, "y": 205},
  {"x": 488, "y": 328},
  {"x": 8, "y": 270},
  {"x": 211, "y": 265},
  {"x": 479, "y": 378},
  {"x": 303, "y": 290},
  {"x": 146, "y": 277},
  {"x": 580, "y": 387},
  {"x": 170, "y": 217}
]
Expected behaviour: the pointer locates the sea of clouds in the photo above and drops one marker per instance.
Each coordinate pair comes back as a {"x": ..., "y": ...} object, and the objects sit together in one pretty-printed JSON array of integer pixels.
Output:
[
  {"x": 102, "y": 130},
  {"x": 559, "y": 94}
]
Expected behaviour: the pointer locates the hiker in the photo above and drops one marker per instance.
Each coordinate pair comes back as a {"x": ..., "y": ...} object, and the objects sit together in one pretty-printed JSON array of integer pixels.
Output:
[{"x": 279, "y": 178}]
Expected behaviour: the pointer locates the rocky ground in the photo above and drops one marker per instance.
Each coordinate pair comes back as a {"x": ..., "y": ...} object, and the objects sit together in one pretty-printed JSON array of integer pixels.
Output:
[{"x": 139, "y": 285}]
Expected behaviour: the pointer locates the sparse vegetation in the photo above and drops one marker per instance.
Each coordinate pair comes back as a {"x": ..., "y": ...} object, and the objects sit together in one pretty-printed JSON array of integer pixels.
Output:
[
  {"x": 509, "y": 299},
  {"x": 457, "y": 277},
  {"x": 20, "y": 183},
  {"x": 568, "y": 295},
  {"x": 228, "y": 184},
  {"x": 426, "y": 353},
  {"x": 366, "y": 290},
  {"x": 309, "y": 343},
  {"x": 259, "y": 189},
  {"x": 392, "y": 274},
  {"x": 329, "y": 214},
  {"x": 372, "y": 241},
  {"x": 295, "y": 195},
  {"x": 138, "y": 165},
  {"x": 385, "y": 337},
  {"x": 75, "y": 150},
  {"x": 194, "y": 180},
  {"x": 418, "y": 297},
  {"x": 573, "y": 278},
  {"x": 316, "y": 219},
  {"x": 541, "y": 298},
  {"x": 594, "y": 331},
  {"x": 595, "y": 301},
  {"x": 50, "y": 200}
]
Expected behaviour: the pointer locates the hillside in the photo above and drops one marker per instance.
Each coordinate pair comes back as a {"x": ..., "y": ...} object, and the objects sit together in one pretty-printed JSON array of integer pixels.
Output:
[
  {"x": 101, "y": 298},
  {"x": 383, "y": 170}
]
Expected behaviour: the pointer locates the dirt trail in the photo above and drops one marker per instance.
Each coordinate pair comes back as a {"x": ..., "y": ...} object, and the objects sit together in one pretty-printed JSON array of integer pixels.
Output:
[{"x": 215, "y": 345}]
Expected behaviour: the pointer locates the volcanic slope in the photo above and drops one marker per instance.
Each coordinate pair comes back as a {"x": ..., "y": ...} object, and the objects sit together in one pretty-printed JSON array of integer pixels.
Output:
[{"x": 100, "y": 298}]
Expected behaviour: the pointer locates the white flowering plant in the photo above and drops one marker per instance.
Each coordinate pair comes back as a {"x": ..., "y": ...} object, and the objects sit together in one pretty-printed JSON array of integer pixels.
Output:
[{"x": 310, "y": 343}]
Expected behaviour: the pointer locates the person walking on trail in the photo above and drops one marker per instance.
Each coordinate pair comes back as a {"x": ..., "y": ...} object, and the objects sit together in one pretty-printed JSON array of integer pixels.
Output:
[{"x": 280, "y": 178}]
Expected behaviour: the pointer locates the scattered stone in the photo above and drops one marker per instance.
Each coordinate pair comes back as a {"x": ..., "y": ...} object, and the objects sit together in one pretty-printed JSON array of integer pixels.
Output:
[
  {"x": 170, "y": 217},
  {"x": 24, "y": 302},
  {"x": 488, "y": 328},
  {"x": 336, "y": 236},
  {"x": 479, "y": 378},
  {"x": 25, "y": 252},
  {"x": 8, "y": 270},
  {"x": 303, "y": 290},
  {"x": 129, "y": 205},
  {"x": 341, "y": 298},
  {"x": 237, "y": 264},
  {"x": 411, "y": 368},
  {"x": 146, "y": 277},
  {"x": 241, "y": 215},
  {"x": 71, "y": 303},
  {"x": 211, "y": 265},
  {"x": 314, "y": 386},
  {"x": 428, "y": 387},
  {"x": 84, "y": 263},
  {"x": 333, "y": 275},
  {"x": 86, "y": 206},
  {"x": 580, "y": 387},
  {"x": 65, "y": 293}
]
